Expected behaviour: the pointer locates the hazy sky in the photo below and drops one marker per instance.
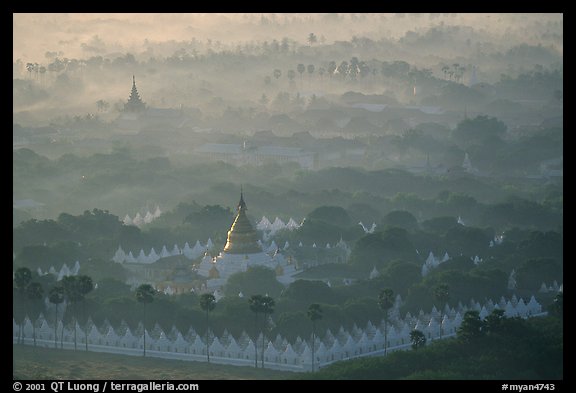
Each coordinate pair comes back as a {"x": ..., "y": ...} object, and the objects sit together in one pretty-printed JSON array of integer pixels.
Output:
[{"x": 80, "y": 35}]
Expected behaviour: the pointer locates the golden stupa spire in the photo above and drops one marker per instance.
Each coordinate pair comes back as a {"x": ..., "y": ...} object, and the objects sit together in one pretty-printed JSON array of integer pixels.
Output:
[{"x": 242, "y": 238}]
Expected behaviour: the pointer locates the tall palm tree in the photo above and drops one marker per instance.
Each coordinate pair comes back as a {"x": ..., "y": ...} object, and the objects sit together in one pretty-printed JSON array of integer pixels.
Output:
[
  {"x": 255, "y": 303},
  {"x": 34, "y": 293},
  {"x": 267, "y": 308},
  {"x": 314, "y": 314},
  {"x": 22, "y": 278},
  {"x": 207, "y": 303},
  {"x": 331, "y": 68},
  {"x": 72, "y": 295},
  {"x": 386, "y": 301},
  {"x": 445, "y": 69},
  {"x": 56, "y": 297},
  {"x": 277, "y": 73},
  {"x": 30, "y": 68},
  {"x": 85, "y": 286},
  {"x": 291, "y": 74},
  {"x": 310, "y": 70},
  {"x": 145, "y": 295},
  {"x": 442, "y": 294},
  {"x": 312, "y": 39},
  {"x": 301, "y": 68},
  {"x": 321, "y": 72}
]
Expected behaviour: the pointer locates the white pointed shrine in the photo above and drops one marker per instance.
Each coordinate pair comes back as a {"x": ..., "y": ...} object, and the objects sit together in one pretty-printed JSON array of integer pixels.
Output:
[
  {"x": 264, "y": 224},
  {"x": 119, "y": 256}
]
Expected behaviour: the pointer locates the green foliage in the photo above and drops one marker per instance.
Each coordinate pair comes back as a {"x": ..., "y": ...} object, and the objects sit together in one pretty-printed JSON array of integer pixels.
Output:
[
  {"x": 386, "y": 299},
  {"x": 145, "y": 294},
  {"x": 110, "y": 288},
  {"x": 473, "y": 241},
  {"x": 334, "y": 215},
  {"x": 542, "y": 245},
  {"x": 442, "y": 293},
  {"x": 301, "y": 291},
  {"x": 418, "y": 339},
  {"x": 321, "y": 232},
  {"x": 400, "y": 219},
  {"x": 479, "y": 128},
  {"x": 207, "y": 302},
  {"x": 56, "y": 295},
  {"x": 380, "y": 248},
  {"x": 471, "y": 327},
  {"x": 440, "y": 225},
  {"x": 556, "y": 309},
  {"x": 400, "y": 275},
  {"x": 532, "y": 273},
  {"x": 314, "y": 312},
  {"x": 22, "y": 278},
  {"x": 213, "y": 219},
  {"x": 255, "y": 280}
]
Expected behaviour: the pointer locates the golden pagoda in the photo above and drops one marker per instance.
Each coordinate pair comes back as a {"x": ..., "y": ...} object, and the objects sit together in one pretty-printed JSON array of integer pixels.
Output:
[{"x": 242, "y": 238}]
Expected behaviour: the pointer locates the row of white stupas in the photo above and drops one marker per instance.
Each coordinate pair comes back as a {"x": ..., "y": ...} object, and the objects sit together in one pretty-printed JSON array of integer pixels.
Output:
[
  {"x": 63, "y": 272},
  {"x": 278, "y": 352},
  {"x": 191, "y": 253},
  {"x": 551, "y": 288},
  {"x": 272, "y": 227},
  {"x": 140, "y": 220},
  {"x": 199, "y": 250}
]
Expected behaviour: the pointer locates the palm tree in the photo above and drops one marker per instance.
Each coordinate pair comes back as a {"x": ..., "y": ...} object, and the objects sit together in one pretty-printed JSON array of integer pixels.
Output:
[
  {"x": 417, "y": 338},
  {"x": 30, "y": 68},
  {"x": 102, "y": 105},
  {"x": 442, "y": 294},
  {"x": 455, "y": 67},
  {"x": 22, "y": 278},
  {"x": 277, "y": 73},
  {"x": 314, "y": 314},
  {"x": 267, "y": 309},
  {"x": 312, "y": 39},
  {"x": 145, "y": 294},
  {"x": 42, "y": 71},
  {"x": 72, "y": 295},
  {"x": 301, "y": 68},
  {"x": 34, "y": 293},
  {"x": 445, "y": 70},
  {"x": 85, "y": 286},
  {"x": 354, "y": 69},
  {"x": 255, "y": 303},
  {"x": 321, "y": 72},
  {"x": 331, "y": 68},
  {"x": 343, "y": 69},
  {"x": 56, "y": 297},
  {"x": 291, "y": 74},
  {"x": 310, "y": 70},
  {"x": 207, "y": 303},
  {"x": 386, "y": 301}
]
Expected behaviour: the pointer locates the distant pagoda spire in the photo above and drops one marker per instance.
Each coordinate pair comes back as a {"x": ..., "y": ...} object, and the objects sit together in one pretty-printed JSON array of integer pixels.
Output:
[
  {"x": 134, "y": 103},
  {"x": 242, "y": 238},
  {"x": 241, "y": 204}
]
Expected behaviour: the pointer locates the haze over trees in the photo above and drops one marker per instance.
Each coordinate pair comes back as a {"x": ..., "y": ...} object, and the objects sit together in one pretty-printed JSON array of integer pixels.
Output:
[{"x": 405, "y": 161}]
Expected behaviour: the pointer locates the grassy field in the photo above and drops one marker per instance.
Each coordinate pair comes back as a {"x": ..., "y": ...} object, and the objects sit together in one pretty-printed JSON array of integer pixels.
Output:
[{"x": 43, "y": 363}]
